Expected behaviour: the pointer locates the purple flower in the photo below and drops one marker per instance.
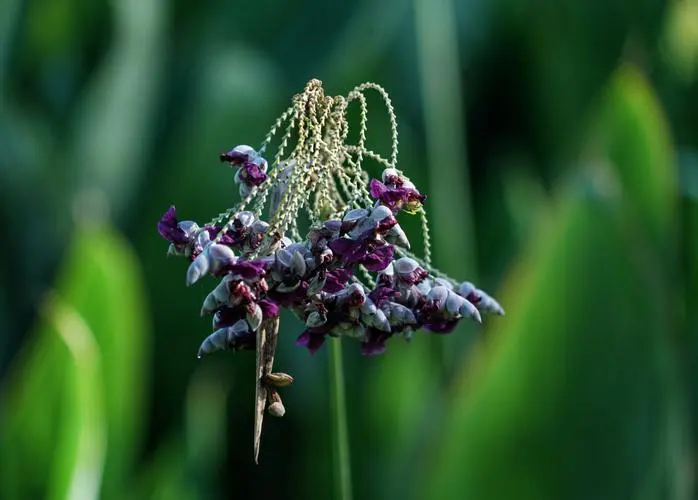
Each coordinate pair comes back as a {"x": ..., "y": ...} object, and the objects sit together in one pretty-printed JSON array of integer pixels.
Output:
[
  {"x": 396, "y": 198},
  {"x": 433, "y": 318},
  {"x": 238, "y": 155},
  {"x": 227, "y": 316},
  {"x": 252, "y": 174},
  {"x": 379, "y": 258},
  {"x": 337, "y": 278},
  {"x": 375, "y": 342},
  {"x": 247, "y": 269},
  {"x": 312, "y": 338},
  {"x": 295, "y": 298},
  {"x": 374, "y": 255},
  {"x": 169, "y": 229},
  {"x": 269, "y": 308},
  {"x": 226, "y": 239},
  {"x": 381, "y": 295},
  {"x": 440, "y": 325}
]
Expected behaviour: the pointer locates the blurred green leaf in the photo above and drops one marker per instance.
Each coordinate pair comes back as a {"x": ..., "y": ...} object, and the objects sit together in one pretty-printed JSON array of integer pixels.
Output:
[
  {"x": 578, "y": 398},
  {"x": 402, "y": 401},
  {"x": 115, "y": 119},
  {"x": 103, "y": 281},
  {"x": 53, "y": 432},
  {"x": 81, "y": 384},
  {"x": 633, "y": 134}
]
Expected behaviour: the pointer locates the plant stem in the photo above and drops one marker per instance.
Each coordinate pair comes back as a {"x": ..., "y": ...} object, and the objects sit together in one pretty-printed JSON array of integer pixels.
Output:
[
  {"x": 340, "y": 434},
  {"x": 441, "y": 89}
]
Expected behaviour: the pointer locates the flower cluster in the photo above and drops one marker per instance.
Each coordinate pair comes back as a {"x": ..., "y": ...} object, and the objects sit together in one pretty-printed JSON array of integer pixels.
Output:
[
  {"x": 351, "y": 275},
  {"x": 316, "y": 278}
]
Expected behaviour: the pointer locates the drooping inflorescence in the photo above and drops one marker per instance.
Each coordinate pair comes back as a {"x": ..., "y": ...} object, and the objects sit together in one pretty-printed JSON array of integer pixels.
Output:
[{"x": 351, "y": 275}]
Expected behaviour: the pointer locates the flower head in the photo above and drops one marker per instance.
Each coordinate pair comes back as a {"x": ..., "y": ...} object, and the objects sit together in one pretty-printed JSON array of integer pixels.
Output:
[{"x": 350, "y": 276}]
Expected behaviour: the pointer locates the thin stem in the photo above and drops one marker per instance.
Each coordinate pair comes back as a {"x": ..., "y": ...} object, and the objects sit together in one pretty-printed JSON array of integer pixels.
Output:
[
  {"x": 441, "y": 88},
  {"x": 340, "y": 433}
]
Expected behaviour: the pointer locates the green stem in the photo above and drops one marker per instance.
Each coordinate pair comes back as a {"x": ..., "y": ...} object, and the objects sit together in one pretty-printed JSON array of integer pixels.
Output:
[
  {"x": 340, "y": 434},
  {"x": 441, "y": 88}
]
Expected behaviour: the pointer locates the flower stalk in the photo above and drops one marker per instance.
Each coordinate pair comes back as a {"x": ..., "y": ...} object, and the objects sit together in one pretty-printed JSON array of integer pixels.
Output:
[{"x": 340, "y": 431}]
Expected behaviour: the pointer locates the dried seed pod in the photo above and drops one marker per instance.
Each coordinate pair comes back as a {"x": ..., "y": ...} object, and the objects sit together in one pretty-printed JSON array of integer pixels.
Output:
[
  {"x": 276, "y": 406},
  {"x": 278, "y": 379},
  {"x": 276, "y": 409}
]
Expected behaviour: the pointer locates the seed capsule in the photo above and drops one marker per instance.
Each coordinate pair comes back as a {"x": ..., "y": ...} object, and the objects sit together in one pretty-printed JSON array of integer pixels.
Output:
[{"x": 277, "y": 379}]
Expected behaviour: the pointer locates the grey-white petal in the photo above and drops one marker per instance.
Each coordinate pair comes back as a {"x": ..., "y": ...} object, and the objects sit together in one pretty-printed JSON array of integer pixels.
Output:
[
  {"x": 218, "y": 297},
  {"x": 454, "y": 302},
  {"x": 390, "y": 172},
  {"x": 397, "y": 236},
  {"x": 254, "y": 317},
  {"x": 189, "y": 227},
  {"x": 245, "y": 218},
  {"x": 355, "y": 214},
  {"x": 260, "y": 227},
  {"x": 298, "y": 267},
  {"x": 315, "y": 318},
  {"x": 438, "y": 295},
  {"x": 488, "y": 304},
  {"x": 220, "y": 255},
  {"x": 398, "y": 314},
  {"x": 465, "y": 289},
  {"x": 203, "y": 239},
  {"x": 244, "y": 149},
  {"x": 284, "y": 257},
  {"x": 317, "y": 283},
  {"x": 381, "y": 212},
  {"x": 222, "y": 338},
  {"x": 468, "y": 310},
  {"x": 362, "y": 228},
  {"x": 198, "y": 268},
  {"x": 405, "y": 266},
  {"x": 368, "y": 307}
]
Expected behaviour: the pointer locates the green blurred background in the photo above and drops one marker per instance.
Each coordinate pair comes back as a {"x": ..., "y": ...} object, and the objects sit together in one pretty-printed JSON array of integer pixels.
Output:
[{"x": 558, "y": 144}]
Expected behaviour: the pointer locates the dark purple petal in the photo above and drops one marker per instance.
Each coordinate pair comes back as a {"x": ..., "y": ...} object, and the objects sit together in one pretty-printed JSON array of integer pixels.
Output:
[
  {"x": 377, "y": 188},
  {"x": 474, "y": 298},
  {"x": 254, "y": 175},
  {"x": 381, "y": 295},
  {"x": 247, "y": 269},
  {"x": 379, "y": 258},
  {"x": 226, "y": 239},
  {"x": 168, "y": 228},
  {"x": 336, "y": 279},
  {"x": 311, "y": 341},
  {"x": 350, "y": 250},
  {"x": 269, "y": 308},
  {"x": 234, "y": 157},
  {"x": 441, "y": 325},
  {"x": 387, "y": 224},
  {"x": 375, "y": 343},
  {"x": 228, "y": 316},
  {"x": 297, "y": 297},
  {"x": 394, "y": 197}
]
